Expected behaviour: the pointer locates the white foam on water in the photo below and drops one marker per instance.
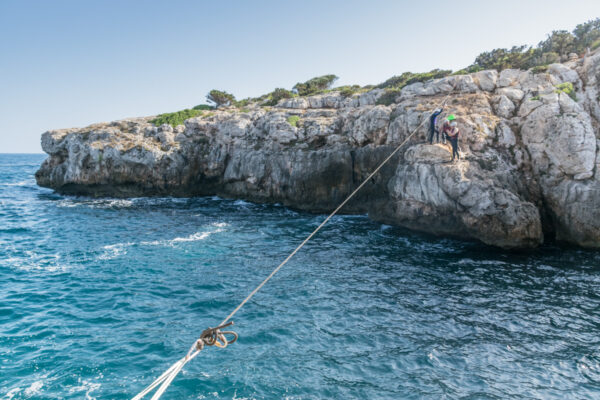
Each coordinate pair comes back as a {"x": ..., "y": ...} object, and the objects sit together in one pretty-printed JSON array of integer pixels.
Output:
[
  {"x": 20, "y": 183},
  {"x": 87, "y": 386},
  {"x": 31, "y": 261},
  {"x": 217, "y": 227},
  {"x": 114, "y": 250},
  {"x": 470, "y": 261},
  {"x": 100, "y": 203},
  {"x": 110, "y": 203},
  {"x": 34, "y": 389},
  {"x": 68, "y": 203},
  {"x": 12, "y": 393}
]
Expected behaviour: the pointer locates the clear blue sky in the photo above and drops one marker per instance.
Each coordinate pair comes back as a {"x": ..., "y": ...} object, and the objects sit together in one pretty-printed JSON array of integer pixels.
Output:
[{"x": 72, "y": 63}]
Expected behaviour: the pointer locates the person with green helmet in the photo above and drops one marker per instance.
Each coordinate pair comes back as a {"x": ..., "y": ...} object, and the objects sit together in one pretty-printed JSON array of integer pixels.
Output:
[{"x": 451, "y": 132}]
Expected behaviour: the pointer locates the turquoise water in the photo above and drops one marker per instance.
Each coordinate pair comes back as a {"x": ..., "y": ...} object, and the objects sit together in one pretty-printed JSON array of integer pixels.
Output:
[{"x": 98, "y": 297}]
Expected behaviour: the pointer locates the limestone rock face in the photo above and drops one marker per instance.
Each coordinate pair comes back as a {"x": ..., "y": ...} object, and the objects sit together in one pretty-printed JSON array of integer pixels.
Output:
[
  {"x": 528, "y": 170},
  {"x": 431, "y": 195},
  {"x": 486, "y": 80}
]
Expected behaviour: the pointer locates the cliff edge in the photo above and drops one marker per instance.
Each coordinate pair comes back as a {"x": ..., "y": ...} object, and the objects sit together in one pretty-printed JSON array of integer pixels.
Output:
[{"x": 529, "y": 142}]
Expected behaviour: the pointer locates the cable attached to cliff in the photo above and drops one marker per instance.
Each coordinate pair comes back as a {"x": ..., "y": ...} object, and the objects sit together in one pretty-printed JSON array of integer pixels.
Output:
[{"x": 216, "y": 337}]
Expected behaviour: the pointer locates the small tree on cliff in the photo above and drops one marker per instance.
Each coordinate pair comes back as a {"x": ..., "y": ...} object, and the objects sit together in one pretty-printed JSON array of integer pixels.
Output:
[
  {"x": 278, "y": 94},
  {"x": 560, "y": 42},
  {"x": 220, "y": 98},
  {"x": 314, "y": 85}
]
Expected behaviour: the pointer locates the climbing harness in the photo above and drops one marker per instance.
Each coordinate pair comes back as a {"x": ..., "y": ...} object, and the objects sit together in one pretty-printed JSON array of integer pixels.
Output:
[{"x": 218, "y": 338}]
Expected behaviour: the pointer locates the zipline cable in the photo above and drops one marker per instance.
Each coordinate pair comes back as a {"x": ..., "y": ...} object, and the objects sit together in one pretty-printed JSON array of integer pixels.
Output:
[{"x": 214, "y": 336}]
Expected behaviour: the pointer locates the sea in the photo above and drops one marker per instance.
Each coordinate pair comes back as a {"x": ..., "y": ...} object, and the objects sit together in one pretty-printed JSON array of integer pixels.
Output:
[{"x": 98, "y": 296}]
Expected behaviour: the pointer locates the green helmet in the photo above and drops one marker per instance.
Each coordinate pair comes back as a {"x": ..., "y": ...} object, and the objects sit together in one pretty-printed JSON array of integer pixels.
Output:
[{"x": 451, "y": 117}]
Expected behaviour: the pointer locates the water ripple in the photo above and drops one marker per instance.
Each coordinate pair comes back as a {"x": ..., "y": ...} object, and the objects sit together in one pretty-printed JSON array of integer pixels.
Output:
[{"x": 99, "y": 296}]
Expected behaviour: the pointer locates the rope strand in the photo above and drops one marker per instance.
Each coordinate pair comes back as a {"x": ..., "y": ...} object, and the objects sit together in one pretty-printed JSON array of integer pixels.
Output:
[{"x": 167, "y": 377}]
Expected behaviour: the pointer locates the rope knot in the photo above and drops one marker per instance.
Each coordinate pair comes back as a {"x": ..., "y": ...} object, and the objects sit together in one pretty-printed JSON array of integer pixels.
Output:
[{"x": 216, "y": 337}]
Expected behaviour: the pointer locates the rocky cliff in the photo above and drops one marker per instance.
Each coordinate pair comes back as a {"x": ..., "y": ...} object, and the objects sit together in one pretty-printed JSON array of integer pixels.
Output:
[{"x": 529, "y": 170}]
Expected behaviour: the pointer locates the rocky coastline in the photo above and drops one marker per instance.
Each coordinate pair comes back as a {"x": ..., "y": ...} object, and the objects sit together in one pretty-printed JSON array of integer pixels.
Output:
[{"x": 529, "y": 171}]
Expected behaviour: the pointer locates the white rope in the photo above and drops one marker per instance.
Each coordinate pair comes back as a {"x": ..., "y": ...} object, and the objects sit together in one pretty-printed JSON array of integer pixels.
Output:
[{"x": 167, "y": 377}]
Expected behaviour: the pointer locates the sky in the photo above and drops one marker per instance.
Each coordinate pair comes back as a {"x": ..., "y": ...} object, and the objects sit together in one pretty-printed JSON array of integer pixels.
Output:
[{"x": 71, "y": 63}]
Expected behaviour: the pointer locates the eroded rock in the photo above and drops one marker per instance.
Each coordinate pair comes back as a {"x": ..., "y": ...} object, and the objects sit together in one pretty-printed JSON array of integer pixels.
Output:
[{"x": 529, "y": 156}]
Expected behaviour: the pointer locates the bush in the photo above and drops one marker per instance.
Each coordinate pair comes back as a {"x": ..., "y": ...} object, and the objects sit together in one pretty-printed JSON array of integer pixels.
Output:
[
  {"x": 244, "y": 102},
  {"x": 559, "y": 42},
  {"x": 293, "y": 120},
  {"x": 175, "y": 118},
  {"x": 469, "y": 70},
  {"x": 388, "y": 97},
  {"x": 539, "y": 69},
  {"x": 203, "y": 107},
  {"x": 220, "y": 98},
  {"x": 347, "y": 91},
  {"x": 568, "y": 89},
  {"x": 587, "y": 34},
  {"x": 557, "y": 46},
  {"x": 315, "y": 85},
  {"x": 278, "y": 94},
  {"x": 407, "y": 78}
]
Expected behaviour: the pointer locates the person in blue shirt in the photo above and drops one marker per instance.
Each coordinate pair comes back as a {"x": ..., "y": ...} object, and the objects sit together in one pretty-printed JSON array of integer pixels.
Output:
[{"x": 432, "y": 128}]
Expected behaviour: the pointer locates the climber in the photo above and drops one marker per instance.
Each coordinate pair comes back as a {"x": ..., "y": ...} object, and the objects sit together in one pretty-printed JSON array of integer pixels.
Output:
[
  {"x": 432, "y": 128},
  {"x": 450, "y": 130}
]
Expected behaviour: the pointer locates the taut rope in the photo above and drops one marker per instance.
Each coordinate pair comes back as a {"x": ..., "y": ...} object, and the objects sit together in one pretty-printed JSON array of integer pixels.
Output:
[{"x": 214, "y": 336}]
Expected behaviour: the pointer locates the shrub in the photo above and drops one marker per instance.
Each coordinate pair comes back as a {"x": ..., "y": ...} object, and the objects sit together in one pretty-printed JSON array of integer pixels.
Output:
[
  {"x": 545, "y": 58},
  {"x": 469, "y": 70},
  {"x": 347, "y": 91},
  {"x": 278, "y": 94},
  {"x": 315, "y": 85},
  {"x": 535, "y": 98},
  {"x": 587, "y": 34},
  {"x": 558, "y": 45},
  {"x": 220, "y": 98},
  {"x": 559, "y": 42},
  {"x": 244, "y": 102},
  {"x": 203, "y": 107},
  {"x": 293, "y": 120},
  {"x": 568, "y": 89},
  {"x": 407, "y": 78},
  {"x": 388, "y": 97},
  {"x": 539, "y": 69},
  {"x": 175, "y": 118}
]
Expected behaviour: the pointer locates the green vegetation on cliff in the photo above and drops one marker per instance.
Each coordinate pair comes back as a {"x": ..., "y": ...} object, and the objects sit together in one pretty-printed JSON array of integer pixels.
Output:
[
  {"x": 314, "y": 85},
  {"x": 399, "y": 81},
  {"x": 568, "y": 89},
  {"x": 293, "y": 120},
  {"x": 220, "y": 98},
  {"x": 557, "y": 47},
  {"x": 175, "y": 118}
]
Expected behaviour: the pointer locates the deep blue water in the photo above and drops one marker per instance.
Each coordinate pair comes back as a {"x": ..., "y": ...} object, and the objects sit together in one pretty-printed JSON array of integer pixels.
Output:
[{"x": 98, "y": 297}]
